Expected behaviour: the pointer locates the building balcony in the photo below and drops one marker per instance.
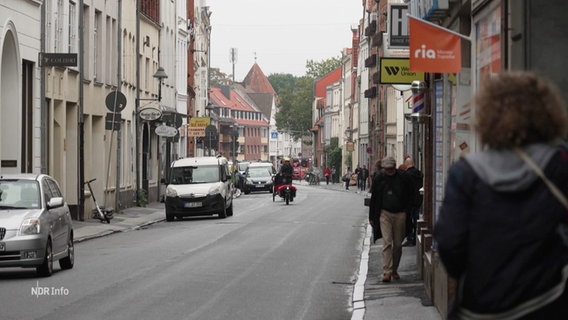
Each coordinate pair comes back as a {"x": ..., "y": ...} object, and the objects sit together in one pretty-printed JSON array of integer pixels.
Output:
[
  {"x": 371, "y": 92},
  {"x": 371, "y": 61},
  {"x": 377, "y": 39},
  {"x": 371, "y": 29}
]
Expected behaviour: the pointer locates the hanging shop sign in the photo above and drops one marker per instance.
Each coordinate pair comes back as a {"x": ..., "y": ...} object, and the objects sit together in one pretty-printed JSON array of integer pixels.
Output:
[
  {"x": 166, "y": 131},
  {"x": 150, "y": 114}
]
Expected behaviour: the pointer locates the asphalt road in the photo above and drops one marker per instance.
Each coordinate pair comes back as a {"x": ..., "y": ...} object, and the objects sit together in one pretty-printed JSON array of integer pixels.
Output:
[{"x": 268, "y": 261}]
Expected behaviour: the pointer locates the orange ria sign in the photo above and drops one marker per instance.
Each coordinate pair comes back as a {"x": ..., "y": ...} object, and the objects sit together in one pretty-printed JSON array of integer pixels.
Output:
[{"x": 433, "y": 49}]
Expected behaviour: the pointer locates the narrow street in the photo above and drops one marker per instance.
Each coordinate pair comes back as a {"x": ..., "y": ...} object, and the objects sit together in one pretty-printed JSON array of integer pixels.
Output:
[{"x": 268, "y": 261}]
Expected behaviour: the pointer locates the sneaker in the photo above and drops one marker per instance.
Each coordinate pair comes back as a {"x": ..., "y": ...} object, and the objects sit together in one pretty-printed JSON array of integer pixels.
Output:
[
  {"x": 395, "y": 276},
  {"x": 386, "y": 277}
]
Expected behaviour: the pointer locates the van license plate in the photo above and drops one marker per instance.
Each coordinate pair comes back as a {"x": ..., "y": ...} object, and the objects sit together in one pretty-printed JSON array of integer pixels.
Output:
[
  {"x": 2, "y": 246},
  {"x": 193, "y": 204}
]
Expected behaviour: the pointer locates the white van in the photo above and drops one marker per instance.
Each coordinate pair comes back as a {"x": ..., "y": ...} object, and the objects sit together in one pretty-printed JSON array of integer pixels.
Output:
[{"x": 199, "y": 186}]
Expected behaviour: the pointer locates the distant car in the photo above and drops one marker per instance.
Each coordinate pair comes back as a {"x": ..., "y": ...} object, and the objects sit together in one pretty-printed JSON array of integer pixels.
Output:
[
  {"x": 35, "y": 224},
  {"x": 259, "y": 178},
  {"x": 241, "y": 169}
]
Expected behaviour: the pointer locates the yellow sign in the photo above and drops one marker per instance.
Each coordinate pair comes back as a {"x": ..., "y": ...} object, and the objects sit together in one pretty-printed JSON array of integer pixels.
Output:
[
  {"x": 397, "y": 71},
  {"x": 197, "y": 126}
]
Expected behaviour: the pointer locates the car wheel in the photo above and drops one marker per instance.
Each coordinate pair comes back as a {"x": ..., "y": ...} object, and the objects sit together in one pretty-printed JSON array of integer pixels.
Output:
[
  {"x": 68, "y": 262},
  {"x": 46, "y": 268},
  {"x": 247, "y": 191},
  {"x": 169, "y": 215},
  {"x": 230, "y": 210},
  {"x": 223, "y": 213}
]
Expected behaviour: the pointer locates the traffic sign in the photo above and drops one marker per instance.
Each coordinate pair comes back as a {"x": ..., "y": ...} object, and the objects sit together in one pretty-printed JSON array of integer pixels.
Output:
[
  {"x": 115, "y": 101},
  {"x": 112, "y": 121}
]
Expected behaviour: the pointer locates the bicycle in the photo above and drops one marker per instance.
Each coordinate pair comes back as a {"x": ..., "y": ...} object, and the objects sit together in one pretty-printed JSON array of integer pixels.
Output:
[
  {"x": 314, "y": 179},
  {"x": 103, "y": 214}
]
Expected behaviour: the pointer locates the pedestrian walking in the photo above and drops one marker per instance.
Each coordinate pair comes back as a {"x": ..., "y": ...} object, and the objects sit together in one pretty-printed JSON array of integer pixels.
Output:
[
  {"x": 362, "y": 178},
  {"x": 413, "y": 213},
  {"x": 347, "y": 177},
  {"x": 498, "y": 229},
  {"x": 326, "y": 173},
  {"x": 391, "y": 194}
]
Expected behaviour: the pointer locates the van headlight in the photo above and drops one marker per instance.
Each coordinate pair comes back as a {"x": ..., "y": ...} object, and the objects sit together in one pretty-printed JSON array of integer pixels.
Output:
[
  {"x": 30, "y": 226},
  {"x": 215, "y": 190},
  {"x": 171, "y": 192}
]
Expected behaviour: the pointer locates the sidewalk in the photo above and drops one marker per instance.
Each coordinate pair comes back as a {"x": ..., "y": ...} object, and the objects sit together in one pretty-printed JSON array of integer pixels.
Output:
[
  {"x": 129, "y": 219},
  {"x": 404, "y": 299}
]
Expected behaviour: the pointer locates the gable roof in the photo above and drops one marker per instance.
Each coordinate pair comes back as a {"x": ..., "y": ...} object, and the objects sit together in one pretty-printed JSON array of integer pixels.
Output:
[
  {"x": 323, "y": 82},
  {"x": 256, "y": 81},
  {"x": 263, "y": 101},
  {"x": 235, "y": 101}
]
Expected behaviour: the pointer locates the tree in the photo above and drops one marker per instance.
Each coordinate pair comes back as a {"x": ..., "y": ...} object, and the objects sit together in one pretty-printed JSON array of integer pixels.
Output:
[
  {"x": 319, "y": 69},
  {"x": 295, "y": 96},
  {"x": 334, "y": 156},
  {"x": 218, "y": 78}
]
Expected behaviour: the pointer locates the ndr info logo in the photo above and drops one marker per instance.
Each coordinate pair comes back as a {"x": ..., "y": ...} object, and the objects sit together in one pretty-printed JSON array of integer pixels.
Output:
[{"x": 49, "y": 291}]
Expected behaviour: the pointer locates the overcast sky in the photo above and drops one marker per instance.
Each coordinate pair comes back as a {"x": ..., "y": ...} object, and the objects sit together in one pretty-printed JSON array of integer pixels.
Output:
[{"x": 282, "y": 34}]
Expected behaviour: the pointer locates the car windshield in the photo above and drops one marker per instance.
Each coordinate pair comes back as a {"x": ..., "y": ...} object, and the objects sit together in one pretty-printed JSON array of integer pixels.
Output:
[
  {"x": 243, "y": 166},
  {"x": 192, "y": 175},
  {"x": 258, "y": 172},
  {"x": 19, "y": 194}
]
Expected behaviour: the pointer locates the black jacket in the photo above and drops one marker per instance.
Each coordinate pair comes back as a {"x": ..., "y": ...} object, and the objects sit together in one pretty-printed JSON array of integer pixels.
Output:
[
  {"x": 496, "y": 231},
  {"x": 401, "y": 186},
  {"x": 417, "y": 178}
]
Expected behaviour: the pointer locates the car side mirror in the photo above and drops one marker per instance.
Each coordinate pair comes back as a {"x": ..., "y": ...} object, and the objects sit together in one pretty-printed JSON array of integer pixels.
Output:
[{"x": 55, "y": 202}]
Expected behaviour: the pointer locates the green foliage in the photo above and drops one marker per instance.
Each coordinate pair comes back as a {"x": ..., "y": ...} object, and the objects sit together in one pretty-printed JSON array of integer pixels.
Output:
[
  {"x": 296, "y": 96},
  {"x": 334, "y": 157},
  {"x": 315, "y": 69},
  {"x": 218, "y": 78},
  {"x": 142, "y": 197}
]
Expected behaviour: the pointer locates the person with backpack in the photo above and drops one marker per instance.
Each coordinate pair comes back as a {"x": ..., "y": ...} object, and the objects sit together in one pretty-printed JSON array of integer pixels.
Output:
[{"x": 413, "y": 212}]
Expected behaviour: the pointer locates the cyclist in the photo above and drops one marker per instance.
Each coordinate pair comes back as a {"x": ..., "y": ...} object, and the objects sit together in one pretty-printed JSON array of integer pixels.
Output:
[{"x": 286, "y": 171}]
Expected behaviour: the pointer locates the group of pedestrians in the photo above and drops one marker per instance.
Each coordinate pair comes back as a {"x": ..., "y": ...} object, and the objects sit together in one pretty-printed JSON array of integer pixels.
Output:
[{"x": 502, "y": 229}]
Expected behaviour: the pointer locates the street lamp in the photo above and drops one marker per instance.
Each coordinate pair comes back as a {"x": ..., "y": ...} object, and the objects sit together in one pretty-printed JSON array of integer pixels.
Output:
[{"x": 160, "y": 75}]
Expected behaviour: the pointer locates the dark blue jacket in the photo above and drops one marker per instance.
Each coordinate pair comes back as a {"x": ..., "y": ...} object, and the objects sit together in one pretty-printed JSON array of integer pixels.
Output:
[{"x": 496, "y": 232}]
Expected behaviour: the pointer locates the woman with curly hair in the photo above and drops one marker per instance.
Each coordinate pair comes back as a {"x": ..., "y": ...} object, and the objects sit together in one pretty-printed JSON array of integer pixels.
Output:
[{"x": 497, "y": 229}]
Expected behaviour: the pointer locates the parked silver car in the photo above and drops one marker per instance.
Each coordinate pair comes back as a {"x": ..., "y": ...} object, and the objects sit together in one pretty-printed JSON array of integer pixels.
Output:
[{"x": 35, "y": 224}]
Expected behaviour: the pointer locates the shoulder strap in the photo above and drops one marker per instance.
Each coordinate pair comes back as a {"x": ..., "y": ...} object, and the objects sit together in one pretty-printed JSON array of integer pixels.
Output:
[{"x": 551, "y": 186}]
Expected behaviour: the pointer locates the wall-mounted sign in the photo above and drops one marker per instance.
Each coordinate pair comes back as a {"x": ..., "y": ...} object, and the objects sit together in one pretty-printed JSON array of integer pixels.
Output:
[
  {"x": 58, "y": 59},
  {"x": 166, "y": 131},
  {"x": 398, "y": 26},
  {"x": 397, "y": 71},
  {"x": 150, "y": 114}
]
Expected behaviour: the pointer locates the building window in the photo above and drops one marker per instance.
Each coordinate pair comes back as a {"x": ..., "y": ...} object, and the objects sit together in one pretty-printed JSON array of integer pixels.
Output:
[{"x": 72, "y": 27}]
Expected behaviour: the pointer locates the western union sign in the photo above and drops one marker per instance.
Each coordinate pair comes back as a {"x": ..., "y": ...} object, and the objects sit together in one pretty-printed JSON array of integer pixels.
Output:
[{"x": 397, "y": 71}]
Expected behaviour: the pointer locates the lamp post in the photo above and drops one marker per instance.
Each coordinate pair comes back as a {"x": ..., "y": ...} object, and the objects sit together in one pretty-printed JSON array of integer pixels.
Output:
[{"x": 160, "y": 75}]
